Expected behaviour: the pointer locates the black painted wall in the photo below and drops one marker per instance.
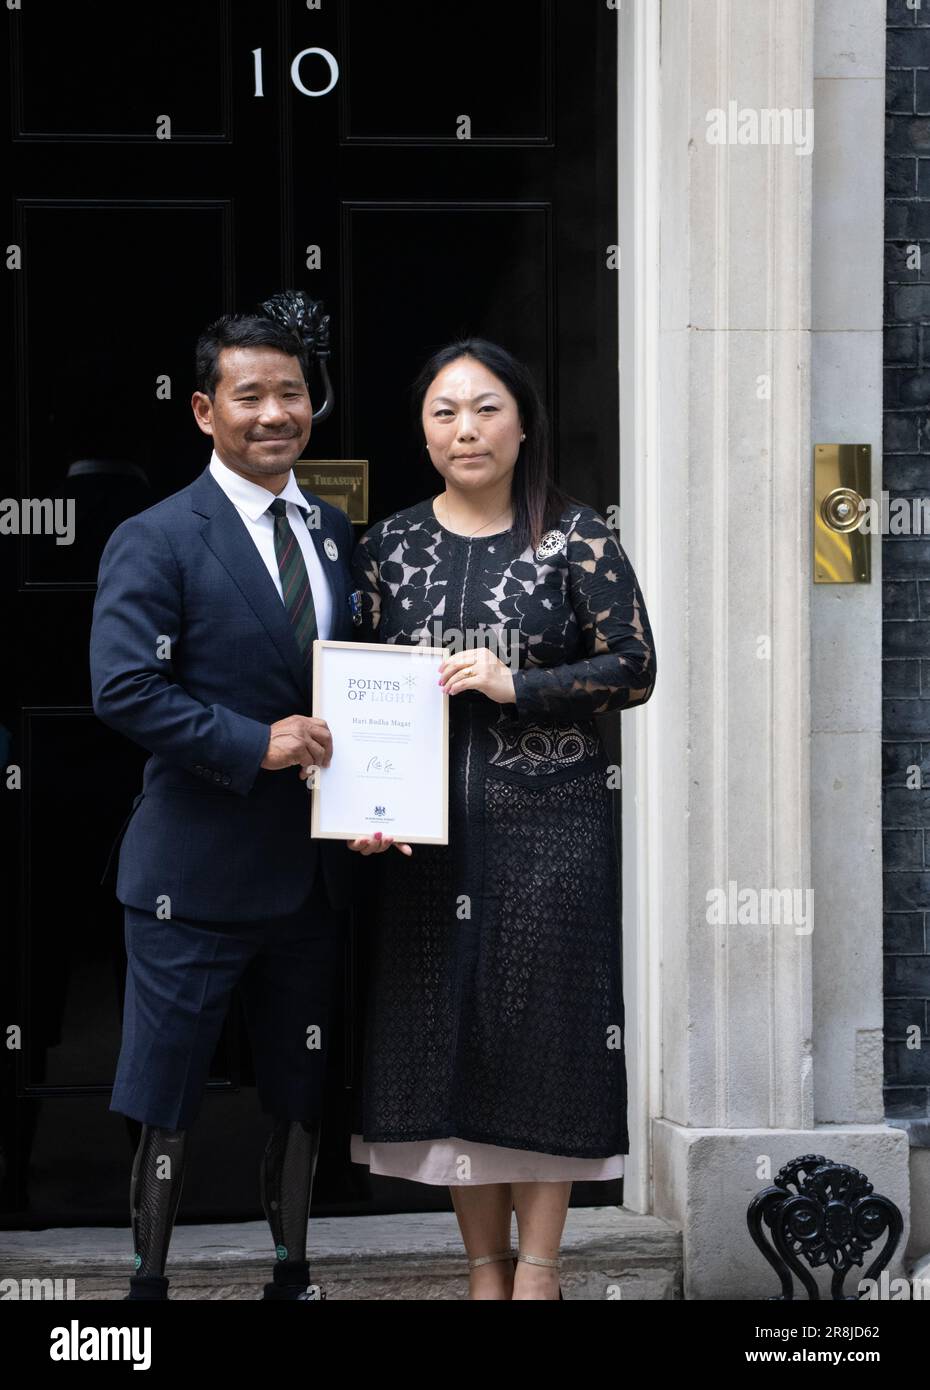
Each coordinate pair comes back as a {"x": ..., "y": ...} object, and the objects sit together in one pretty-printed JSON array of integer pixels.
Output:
[{"x": 906, "y": 566}]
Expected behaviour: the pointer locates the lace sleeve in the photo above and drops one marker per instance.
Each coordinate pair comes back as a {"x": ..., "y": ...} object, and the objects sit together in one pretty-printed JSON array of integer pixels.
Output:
[
  {"x": 366, "y": 573},
  {"x": 619, "y": 670}
]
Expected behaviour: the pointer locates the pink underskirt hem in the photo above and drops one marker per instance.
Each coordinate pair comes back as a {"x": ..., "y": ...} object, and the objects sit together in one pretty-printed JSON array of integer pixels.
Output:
[{"x": 439, "y": 1161}]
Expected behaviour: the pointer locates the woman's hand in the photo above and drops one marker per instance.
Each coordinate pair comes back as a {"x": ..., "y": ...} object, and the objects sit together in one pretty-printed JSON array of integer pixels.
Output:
[
  {"x": 377, "y": 844},
  {"x": 478, "y": 669}
]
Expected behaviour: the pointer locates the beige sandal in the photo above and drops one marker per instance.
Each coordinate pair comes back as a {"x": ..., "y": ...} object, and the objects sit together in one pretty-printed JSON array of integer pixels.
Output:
[{"x": 489, "y": 1259}]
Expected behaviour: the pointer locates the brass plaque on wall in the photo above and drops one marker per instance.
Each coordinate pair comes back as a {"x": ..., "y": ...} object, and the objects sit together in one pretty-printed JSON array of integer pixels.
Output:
[
  {"x": 842, "y": 485},
  {"x": 344, "y": 482}
]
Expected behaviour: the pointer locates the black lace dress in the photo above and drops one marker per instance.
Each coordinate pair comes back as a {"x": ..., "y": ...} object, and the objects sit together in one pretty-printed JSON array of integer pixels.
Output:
[{"x": 494, "y": 1007}]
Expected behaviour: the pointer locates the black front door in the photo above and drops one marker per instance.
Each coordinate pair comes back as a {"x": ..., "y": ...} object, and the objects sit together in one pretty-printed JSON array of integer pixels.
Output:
[{"x": 170, "y": 163}]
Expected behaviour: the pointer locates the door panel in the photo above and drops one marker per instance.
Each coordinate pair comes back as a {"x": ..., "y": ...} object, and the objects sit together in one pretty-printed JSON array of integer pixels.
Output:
[{"x": 130, "y": 243}]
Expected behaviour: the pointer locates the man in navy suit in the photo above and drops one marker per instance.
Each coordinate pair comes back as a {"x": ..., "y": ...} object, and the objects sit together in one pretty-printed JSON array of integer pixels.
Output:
[{"x": 201, "y": 651}]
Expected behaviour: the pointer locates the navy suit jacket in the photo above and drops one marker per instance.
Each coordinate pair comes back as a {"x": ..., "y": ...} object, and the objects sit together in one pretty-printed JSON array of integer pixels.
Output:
[{"x": 223, "y": 838}]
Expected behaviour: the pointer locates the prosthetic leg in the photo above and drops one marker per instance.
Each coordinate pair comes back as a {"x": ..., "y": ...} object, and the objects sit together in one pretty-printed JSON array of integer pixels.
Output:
[
  {"x": 287, "y": 1172},
  {"x": 157, "y": 1177}
]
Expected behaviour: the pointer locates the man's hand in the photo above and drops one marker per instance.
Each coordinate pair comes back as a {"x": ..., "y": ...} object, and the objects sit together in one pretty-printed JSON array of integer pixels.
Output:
[{"x": 299, "y": 739}]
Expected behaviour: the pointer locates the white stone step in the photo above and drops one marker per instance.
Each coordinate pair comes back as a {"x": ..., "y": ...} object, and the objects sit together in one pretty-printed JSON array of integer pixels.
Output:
[{"x": 607, "y": 1252}]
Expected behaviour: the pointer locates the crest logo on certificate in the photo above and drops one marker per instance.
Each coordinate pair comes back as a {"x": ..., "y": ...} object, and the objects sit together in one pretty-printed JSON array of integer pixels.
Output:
[{"x": 390, "y": 726}]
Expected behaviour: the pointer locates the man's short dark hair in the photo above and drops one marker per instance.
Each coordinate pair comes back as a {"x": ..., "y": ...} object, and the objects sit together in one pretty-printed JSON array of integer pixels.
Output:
[{"x": 241, "y": 331}]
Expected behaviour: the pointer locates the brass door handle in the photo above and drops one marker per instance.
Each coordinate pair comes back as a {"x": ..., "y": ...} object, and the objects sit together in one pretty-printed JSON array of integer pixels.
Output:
[{"x": 842, "y": 482}]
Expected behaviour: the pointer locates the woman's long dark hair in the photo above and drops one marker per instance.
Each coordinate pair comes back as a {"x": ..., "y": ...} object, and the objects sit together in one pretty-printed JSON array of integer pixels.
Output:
[{"x": 536, "y": 499}]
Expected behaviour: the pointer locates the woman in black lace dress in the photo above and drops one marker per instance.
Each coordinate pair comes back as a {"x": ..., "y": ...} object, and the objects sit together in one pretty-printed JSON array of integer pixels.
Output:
[{"x": 494, "y": 1050}]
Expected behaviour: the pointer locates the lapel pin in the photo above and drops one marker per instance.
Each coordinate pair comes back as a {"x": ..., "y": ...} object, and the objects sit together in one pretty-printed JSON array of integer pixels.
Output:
[
  {"x": 355, "y": 606},
  {"x": 332, "y": 550}
]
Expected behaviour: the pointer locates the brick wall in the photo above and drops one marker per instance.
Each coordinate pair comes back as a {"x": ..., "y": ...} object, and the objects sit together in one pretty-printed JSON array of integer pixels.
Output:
[{"x": 906, "y": 565}]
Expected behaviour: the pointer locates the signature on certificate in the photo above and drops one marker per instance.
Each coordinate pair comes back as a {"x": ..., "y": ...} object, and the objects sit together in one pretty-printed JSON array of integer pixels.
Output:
[{"x": 379, "y": 765}]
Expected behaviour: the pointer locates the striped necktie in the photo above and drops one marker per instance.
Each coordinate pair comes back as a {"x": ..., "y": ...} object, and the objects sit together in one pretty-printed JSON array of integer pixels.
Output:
[{"x": 295, "y": 581}]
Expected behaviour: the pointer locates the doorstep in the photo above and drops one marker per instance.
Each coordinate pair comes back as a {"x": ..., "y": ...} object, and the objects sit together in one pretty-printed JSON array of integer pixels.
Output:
[{"x": 607, "y": 1252}]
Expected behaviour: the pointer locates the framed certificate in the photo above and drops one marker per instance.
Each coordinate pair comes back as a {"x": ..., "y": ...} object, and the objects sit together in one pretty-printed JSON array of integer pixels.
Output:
[{"x": 390, "y": 726}]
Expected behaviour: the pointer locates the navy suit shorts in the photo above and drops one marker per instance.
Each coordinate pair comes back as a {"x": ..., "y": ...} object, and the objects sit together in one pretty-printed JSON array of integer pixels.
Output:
[{"x": 180, "y": 979}]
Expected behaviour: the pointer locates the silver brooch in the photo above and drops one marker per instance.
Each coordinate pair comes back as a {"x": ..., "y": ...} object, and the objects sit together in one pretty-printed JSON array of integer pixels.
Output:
[
  {"x": 329, "y": 545},
  {"x": 552, "y": 543}
]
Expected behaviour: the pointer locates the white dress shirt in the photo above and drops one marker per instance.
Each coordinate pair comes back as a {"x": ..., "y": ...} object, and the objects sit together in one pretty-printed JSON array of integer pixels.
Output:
[{"x": 252, "y": 501}]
